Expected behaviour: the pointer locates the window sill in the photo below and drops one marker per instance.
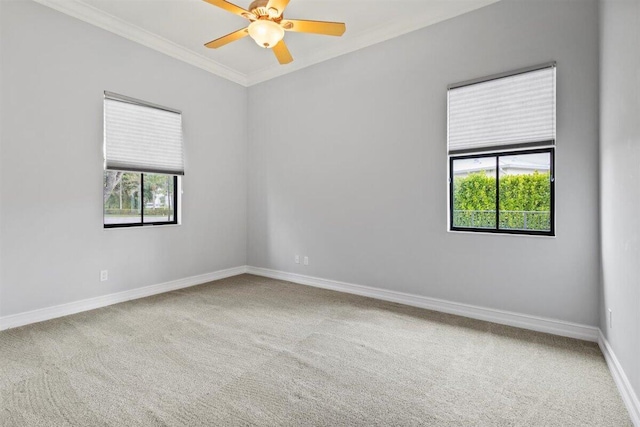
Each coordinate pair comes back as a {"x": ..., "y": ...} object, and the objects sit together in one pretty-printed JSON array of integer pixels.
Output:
[
  {"x": 142, "y": 227},
  {"x": 487, "y": 233}
]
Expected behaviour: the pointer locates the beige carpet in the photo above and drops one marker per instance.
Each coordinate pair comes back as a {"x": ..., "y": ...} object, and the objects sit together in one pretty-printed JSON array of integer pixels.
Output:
[{"x": 255, "y": 351}]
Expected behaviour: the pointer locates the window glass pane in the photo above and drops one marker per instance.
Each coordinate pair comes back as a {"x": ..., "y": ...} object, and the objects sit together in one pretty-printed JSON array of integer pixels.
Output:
[
  {"x": 121, "y": 192},
  {"x": 474, "y": 192},
  {"x": 525, "y": 192},
  {"x": 158, "y": 198}
]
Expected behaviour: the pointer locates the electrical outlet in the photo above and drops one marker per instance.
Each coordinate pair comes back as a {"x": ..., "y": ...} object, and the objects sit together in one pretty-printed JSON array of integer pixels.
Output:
[
  {"x": 610, "y": 319},
  {"x": 104, "y": 275},
  {"x": 297, "y": 259},
  {"x": 306, "y": 260}
]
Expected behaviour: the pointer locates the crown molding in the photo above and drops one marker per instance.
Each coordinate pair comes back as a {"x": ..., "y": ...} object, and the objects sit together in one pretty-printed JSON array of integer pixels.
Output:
[
  {"x": 364, "y": 39},
  {"x": 99, "y": 18}
]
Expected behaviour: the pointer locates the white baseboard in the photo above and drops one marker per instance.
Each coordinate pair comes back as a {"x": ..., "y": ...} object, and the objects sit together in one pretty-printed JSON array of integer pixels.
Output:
[
  {"x": 40, "y": 315},
  {"x": 540, "y": 324},
  {"x": 552, "y": 326},
  {"x": 629, "y": 397}
]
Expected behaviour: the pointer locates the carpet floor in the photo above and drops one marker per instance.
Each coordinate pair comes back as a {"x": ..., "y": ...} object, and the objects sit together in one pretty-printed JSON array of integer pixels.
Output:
[{"x": 254, "y": 351}]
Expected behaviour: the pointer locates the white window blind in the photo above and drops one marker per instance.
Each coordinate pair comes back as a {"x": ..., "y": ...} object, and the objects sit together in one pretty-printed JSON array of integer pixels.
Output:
[
  {"x": 503, "y": 112},
  {"x": 142, "y": 137}
]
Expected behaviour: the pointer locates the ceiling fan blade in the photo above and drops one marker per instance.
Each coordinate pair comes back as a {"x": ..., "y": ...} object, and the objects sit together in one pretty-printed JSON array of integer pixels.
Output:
[
  {"x": 282, "y": 52},
  {"x": 230, "y": 7},
  {"x": 278, "y": 5},
  {"x": 236, "y": 35},
  {"x": 316, "y": 27}
]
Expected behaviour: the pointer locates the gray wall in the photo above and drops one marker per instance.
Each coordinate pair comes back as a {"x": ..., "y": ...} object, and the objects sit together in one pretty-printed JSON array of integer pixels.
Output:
[
  {"x": 348, "y": 164},
  {"x": 620, "y": 180},
  {"x": 54, "y": 70}
]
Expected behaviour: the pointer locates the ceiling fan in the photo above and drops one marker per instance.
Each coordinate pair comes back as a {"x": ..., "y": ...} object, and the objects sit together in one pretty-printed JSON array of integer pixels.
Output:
[{"x": 268, "y": 25}]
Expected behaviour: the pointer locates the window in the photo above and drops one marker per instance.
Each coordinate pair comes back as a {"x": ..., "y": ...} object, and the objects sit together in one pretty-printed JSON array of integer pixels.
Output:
[
  {"x": 507, "y": 192},
  {"x": 143, "y": 159},
  {"x": 126, "y": 205},
  {"x": 501, "y": 143}
]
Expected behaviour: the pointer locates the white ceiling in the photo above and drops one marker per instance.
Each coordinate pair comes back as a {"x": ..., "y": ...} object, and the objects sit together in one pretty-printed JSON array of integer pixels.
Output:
[{"x": 181, "y": 27}]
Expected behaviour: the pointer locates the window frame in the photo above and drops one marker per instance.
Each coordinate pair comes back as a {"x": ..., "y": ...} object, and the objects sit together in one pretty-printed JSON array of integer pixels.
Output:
[
  {"x": 497, "y": 155},
  {"x": 142, "y": 203}
]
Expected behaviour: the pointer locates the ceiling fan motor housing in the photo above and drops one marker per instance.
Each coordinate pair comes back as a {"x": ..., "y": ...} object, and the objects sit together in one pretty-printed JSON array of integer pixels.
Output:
[{"x": 259, "y": 9}]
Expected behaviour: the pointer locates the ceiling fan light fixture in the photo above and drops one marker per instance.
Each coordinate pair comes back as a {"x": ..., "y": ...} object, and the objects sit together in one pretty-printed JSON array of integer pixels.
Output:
[{"x": 266, "y": 33}]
